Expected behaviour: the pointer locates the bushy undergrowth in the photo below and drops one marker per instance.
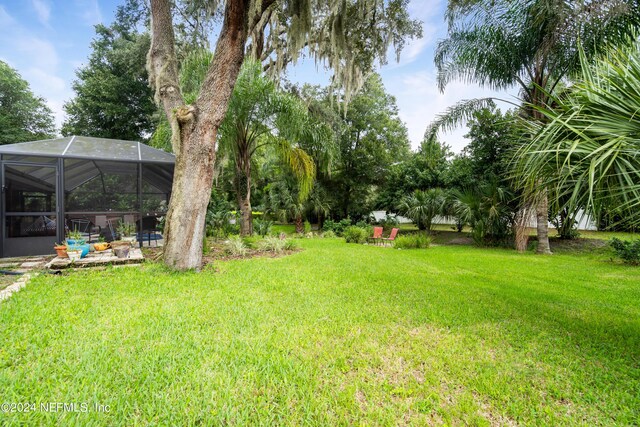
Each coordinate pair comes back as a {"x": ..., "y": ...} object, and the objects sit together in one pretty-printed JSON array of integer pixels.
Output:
[
  {"x": 262, "y": 227},
  {"x": 627, "y": 250},
  {"x": 336, "y": 227},
  {"x": 355, "y": 234},
  {"x": 329, "y": 234},
  {"x": 412, "y": 241}
]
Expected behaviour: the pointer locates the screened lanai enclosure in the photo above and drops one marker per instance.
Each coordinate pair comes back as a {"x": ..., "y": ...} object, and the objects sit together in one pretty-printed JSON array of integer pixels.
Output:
[{"x": 95, "y": 186}]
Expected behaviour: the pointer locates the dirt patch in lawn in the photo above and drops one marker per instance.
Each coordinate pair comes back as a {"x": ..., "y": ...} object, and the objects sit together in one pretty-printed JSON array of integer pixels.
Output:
[
  {"x": 578, "y": 245},
  {"x": 217, "y": 252}
]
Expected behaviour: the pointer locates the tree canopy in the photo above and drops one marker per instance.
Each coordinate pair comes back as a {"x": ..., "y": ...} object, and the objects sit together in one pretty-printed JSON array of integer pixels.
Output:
[
  {"x": 23, "y": 115},
  {"x": 371, "y": 138},
  {"x": 113, "y": 98}
]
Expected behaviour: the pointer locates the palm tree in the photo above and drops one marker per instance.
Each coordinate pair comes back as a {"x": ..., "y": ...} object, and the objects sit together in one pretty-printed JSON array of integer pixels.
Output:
[
  {"x": 588, "y": 153},
  {"x": 285, "y": 204},
  {"x": 423, "y": 206},
  {"x": 528, "y": 43},
  {"x": 318, "y": 203},
  {"x": 260, "y": 115},
  {"x": 486, "y": 210}
]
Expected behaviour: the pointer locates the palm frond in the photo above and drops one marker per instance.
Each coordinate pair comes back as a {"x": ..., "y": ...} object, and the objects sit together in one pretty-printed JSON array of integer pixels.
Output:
[
  {"x": 456, "y": 115},
  {"x": 588, "y": 153}
]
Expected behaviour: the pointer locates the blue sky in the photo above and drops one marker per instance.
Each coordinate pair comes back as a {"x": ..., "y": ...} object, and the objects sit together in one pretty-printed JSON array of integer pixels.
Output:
[{"x": 47, "y": 40}]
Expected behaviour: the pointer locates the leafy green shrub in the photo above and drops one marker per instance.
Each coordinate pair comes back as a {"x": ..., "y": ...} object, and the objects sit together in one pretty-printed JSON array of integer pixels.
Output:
[
  {"x": 355, "y": 234},
  {"x": 262, "y": 227},
  {"x": 365, "y": 226},
  {"x": 337, "y": 227},
  {"x": 329, "y": 225},
  {"x": 272, "y": 244},
  {"x": 412, "y": 241},
  {"x": 329, "y": 234},
  {"x": 219, "y": 214},
  {"x": 307, "y": 227},
  {"x": 627, "y": 250},
  {"x": 235, "y": 246}
]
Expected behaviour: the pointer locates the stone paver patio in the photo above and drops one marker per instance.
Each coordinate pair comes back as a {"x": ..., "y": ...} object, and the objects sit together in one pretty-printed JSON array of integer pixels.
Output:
[{"x": 94, "y": 259}]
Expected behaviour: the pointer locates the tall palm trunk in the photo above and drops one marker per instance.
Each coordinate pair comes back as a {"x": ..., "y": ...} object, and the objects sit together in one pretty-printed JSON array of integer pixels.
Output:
[
  {"x": 542, "y": 207},
  {"x": 521, "y": 229},
  {"x": 542, "y": 226},
  {"x": 243, "y": 192}
]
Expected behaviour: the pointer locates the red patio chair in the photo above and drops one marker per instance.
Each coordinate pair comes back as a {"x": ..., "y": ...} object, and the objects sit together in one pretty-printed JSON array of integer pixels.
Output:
[
  {"x": 377, "y": 235},
  {"x": 392, "y": 236}
]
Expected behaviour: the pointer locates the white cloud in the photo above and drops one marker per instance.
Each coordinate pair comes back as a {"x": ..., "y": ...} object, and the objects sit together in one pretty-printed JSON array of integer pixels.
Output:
[
  {"x": 89, "y": 12},
  {"x": 413, "y": 50},
  {"x": 420, "y": 101},
  {"x": 36, "y": 60},
  {"x": 39, "y": 52},
  {"x": 426, "y": 11},
  {"x": 43, "y": 11},
  {"x": 43, "y": 81},
  {"x": 6, "y": 20}
]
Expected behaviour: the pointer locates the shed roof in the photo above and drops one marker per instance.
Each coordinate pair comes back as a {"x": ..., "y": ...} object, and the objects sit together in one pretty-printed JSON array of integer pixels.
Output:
[{"x": 84, "y": 147}]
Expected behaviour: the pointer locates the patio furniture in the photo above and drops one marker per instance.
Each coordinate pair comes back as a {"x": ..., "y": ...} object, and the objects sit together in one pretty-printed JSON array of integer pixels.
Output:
[
  {"x": 392, "y": 236},
  {"x": 84, "y": 227},
  {"x": 377, "y": 235},
  {"x": 43, "y": 226},
  {"x": 109, "y": 233},
  {"x": 150, "y": 232}
]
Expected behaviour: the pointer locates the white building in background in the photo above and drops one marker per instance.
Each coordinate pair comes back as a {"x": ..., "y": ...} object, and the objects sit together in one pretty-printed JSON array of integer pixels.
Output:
[
  {"x": 380, "y": 215},
  {"x": 584, "y": 221}
]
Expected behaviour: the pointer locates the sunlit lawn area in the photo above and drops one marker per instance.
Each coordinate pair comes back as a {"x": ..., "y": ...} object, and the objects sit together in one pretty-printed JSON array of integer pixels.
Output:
[{"x": 335, "y": 334}]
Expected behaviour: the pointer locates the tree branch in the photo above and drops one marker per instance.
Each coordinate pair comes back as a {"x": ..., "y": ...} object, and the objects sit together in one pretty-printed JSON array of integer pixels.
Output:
[
  {"x": 162, "y": 65},
  {"x": 223, "y": 72}
]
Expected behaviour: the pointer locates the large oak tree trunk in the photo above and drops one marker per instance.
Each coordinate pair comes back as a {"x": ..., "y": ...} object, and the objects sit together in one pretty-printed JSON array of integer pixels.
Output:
[
  {"x": 194, "y": 127},
  {"x": 192, "y": 181}
]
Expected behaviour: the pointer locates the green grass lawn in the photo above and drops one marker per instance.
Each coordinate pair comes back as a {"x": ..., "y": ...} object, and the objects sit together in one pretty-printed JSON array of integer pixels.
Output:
[{"x": 335, "y": 334}]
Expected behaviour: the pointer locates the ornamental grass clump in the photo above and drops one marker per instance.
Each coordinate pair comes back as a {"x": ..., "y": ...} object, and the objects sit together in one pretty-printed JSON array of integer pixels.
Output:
[
  {"x": 272, "y": 244},
  {"x": 235, "y": 246},
  {"x": 412, "y": 241}
]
